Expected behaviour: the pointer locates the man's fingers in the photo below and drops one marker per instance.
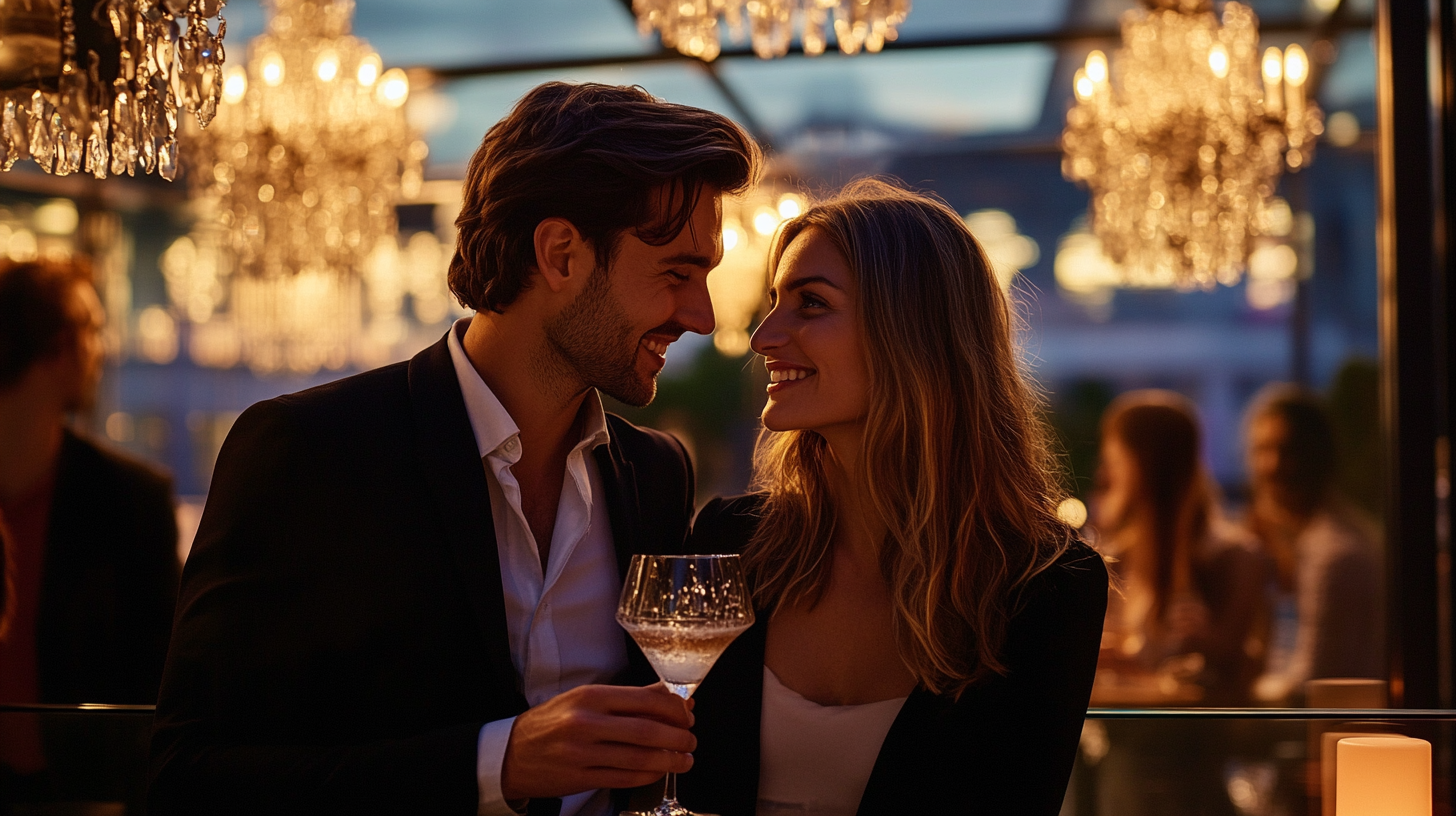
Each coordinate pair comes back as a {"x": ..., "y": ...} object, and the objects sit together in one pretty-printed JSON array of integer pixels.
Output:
[
  {"x": 642, "y": 733},
  {"x": 634, "y": 759},
  {"x": 654, "y": 701}
]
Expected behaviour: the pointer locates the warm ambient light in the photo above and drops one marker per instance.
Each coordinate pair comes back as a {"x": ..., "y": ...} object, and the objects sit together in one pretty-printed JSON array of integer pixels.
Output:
[
  {"x": 790, "y": 205},
  {"x": 1383, "y": 776},
  {"x": 1296, "y": 66},
  {"x": 394, "y": 87},
  {"x": 369, "y": 69},
  {"x": 1166, "y": 204},
  {"x": 1072, "y": 512},
  {"x": 1273, "y": 65},
  {"x": 327, "y": 66},
  {"x": 1097, "y": 66},
  {"x": 273, "y": 70},
  {"x": 1218, "y": 61},
  {"x": 1083, "y": 85},
  {"x": 234, "y": 84}
]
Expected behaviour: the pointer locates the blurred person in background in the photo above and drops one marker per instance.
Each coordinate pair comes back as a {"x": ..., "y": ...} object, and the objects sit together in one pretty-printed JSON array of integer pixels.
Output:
[
  {"x": 93, "y": 539},
  {"x": 1193, "y": 584},
  {"x": 92, "y": 547},
  {"x": 1328, "y": 603},
  {"x": 1187, "y": 625}
]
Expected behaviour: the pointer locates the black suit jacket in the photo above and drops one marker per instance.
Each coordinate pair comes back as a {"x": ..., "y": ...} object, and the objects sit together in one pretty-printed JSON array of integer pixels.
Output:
[
  {"x": 110, "y": 579},
  {"x": 1005, "y": 748},
  {"x": 341, "y": 632}
]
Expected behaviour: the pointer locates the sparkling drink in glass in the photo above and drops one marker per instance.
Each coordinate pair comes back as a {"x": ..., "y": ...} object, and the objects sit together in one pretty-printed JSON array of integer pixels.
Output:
[{"x": 683, "y": 611}]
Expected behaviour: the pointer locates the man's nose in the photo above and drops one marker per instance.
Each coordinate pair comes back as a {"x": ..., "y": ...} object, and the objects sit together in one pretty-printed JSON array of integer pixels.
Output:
[{"x": 695, "y": 308}]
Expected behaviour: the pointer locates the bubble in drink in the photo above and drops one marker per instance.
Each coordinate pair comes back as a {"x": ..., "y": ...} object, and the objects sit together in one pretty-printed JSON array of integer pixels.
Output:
[{"x": 682, "y": 652}]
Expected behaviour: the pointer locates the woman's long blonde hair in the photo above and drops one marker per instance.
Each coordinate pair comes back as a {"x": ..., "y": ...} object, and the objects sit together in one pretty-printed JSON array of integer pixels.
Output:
[
  {"x": 1173, "y": 501},
  {"x": 956, "y": 461}
]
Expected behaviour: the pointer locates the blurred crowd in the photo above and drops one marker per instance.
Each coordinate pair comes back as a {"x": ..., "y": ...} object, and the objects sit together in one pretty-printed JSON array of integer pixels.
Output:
[{"x": 1216, "y": 610}]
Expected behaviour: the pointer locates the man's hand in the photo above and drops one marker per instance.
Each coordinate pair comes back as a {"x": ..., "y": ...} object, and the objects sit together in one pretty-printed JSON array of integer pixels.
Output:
[{"x": 597, "y": 737}]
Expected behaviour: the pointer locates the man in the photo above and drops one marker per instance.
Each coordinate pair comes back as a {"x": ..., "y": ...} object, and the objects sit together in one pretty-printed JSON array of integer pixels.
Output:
[
  {"x": 401, "y": 595},
  {"x": 92, "y": 538},
  {"x": 1328, "y": 604}
]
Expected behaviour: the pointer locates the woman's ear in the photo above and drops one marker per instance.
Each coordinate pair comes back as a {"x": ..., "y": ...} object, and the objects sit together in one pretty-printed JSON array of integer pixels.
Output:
[{"x": 560, "y": 250}]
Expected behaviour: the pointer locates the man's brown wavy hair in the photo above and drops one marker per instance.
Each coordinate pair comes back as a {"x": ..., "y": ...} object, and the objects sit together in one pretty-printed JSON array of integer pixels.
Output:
[
  {"x": 956, "y": 461},
  {"x": 606, "y": 158}
]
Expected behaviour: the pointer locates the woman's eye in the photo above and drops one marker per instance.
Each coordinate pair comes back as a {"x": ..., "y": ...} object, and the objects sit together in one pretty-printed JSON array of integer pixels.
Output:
[{"x": 811, "y": 302}]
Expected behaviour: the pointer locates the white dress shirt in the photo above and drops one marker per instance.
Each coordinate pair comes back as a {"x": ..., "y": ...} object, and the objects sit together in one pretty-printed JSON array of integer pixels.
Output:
[{"x": 562, "y": 625}]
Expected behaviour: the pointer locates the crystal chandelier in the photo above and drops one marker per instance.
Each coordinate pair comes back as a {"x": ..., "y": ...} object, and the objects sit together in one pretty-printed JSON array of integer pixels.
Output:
[
  {"x": 1182, "y": 142},
  {"x": 296, "y": 187},
  {"x": 102, "y": 91},
  {"x": 691, "y": 26}
]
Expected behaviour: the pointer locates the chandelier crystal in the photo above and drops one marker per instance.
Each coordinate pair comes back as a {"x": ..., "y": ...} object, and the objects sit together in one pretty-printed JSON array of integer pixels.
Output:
[
  {"x": 692, "y": 26},
  {"x": 1182, "y": 139},
  {"x": 296, "y": 187},
  {"x": 102, "y": 92}
]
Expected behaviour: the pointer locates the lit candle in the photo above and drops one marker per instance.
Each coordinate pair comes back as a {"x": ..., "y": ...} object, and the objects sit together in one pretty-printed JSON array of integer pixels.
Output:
[{"x": 1383, "y": 776}]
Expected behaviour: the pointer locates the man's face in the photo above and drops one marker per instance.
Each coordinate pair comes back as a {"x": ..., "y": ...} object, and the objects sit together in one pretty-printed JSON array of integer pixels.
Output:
[
  {"x": 1268, "y": 443},
  {"x": 615, "y": 334},
  {"x": 81, "y": 365}
]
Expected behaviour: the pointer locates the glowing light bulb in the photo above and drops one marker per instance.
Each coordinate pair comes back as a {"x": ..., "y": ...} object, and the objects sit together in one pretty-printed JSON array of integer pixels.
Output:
[
  {"x": 1097, "y": 67},
  {"x": 1273, "y": 65},
  {"x": 790, "y": 206},
  {"x": 369, "y": 69},
  {"x": 765, "y": 221},
  {"x": 234, "y": 84},
  {"x": 1083, "y": 85},
  {"x": 1296, "y": 66},
  {"x": 1218, "y": 60},
  {"x": 273, "y": 70},
  {"x": 327, "y": 66},
  {"x": 393, "y": 88}
]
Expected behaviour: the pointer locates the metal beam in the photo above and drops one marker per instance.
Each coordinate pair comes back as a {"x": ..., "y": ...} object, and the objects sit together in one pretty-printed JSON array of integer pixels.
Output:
[
  {"x": 1059, "y": 36},
  {"x": 1410, "y": 316}
]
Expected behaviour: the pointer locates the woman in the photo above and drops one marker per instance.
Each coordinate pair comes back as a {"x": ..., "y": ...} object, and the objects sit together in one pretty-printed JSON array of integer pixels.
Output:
[
  {"x": 1190, "y": 610},
  {"x": 1192, "y": 600},
  {"x": 928, "y": 629}
]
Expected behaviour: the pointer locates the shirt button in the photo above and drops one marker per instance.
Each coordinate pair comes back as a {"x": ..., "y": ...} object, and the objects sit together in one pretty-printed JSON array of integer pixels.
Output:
[{"x": 511, "y": 445}]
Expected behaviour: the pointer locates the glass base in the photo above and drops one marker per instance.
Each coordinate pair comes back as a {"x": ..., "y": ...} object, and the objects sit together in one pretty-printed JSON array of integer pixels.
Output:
[{"x": 664, "y": 809}]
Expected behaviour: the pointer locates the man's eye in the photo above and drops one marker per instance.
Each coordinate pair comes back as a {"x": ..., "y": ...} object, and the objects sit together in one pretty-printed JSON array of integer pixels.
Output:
[{"x": 677, "y": 276}]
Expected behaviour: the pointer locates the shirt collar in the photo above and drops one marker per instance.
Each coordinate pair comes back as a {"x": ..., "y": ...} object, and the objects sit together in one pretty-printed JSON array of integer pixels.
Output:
[{"x": 492, "y": 424}]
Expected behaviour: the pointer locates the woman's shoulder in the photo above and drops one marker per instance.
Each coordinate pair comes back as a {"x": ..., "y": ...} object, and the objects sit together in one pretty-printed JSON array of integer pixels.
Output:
[
  {"x": 1077, "y": 577},
  {"x": 726, "y": 523}
]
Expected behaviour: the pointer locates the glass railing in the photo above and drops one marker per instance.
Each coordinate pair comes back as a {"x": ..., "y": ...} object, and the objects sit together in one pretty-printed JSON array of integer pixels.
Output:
[
  {"x": 1234, "y": 761},
  {"x": 91, "y": 760}
]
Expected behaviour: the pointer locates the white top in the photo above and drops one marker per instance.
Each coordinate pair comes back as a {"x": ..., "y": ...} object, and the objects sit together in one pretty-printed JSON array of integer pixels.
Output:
[
  {"x": 562, "y": 625},
  {"x": 815, "y": 760}
]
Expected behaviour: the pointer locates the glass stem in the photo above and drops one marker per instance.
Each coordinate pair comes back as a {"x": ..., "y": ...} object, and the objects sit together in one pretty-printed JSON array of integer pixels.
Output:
[{"x": 669, "y": 791}]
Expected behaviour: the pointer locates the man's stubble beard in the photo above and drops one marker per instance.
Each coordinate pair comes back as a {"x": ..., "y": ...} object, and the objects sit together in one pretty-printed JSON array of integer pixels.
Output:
[{"x": 591, "y": 341}]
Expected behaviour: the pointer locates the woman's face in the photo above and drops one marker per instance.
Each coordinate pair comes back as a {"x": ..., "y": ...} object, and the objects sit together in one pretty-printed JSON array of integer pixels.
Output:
[
  {"x": 812, "y": 342},
  {"x": 1116, "y": 483}
]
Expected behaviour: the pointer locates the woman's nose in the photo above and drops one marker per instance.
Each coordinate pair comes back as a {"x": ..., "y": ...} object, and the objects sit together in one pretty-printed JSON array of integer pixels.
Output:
[{"x": 769, "y": 334}]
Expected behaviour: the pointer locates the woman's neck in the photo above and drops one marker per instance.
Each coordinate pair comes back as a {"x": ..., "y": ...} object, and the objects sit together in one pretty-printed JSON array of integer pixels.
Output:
[{"x": 858, "y": 527}]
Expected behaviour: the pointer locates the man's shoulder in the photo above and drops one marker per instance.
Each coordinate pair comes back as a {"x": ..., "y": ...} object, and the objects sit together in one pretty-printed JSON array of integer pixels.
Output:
[
  {"x": 336, "y": 406},
  {"x": 90, "y": 461},
  {"x": 645, "y": 445}
]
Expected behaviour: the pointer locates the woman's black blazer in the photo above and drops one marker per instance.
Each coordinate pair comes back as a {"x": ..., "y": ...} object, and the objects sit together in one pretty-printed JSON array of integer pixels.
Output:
[{"x": 1005, "y": 748}]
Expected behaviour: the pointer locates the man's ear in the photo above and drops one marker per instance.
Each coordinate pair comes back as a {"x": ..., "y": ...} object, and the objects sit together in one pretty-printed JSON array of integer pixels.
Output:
[{"x": 563, "y": 257}]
